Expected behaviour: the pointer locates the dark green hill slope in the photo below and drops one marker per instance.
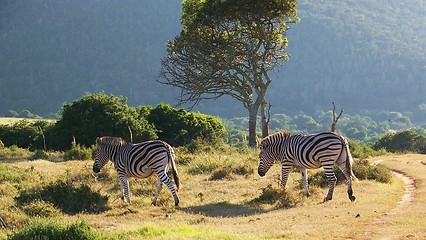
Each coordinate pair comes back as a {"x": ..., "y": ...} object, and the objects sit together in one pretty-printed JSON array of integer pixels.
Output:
[{"x": 365, "y": 55}]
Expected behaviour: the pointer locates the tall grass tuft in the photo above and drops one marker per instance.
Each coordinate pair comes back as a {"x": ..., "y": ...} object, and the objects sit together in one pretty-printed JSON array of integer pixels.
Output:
[
  {"x": 68, "y": 198},
  {"x": 281, "y": 198},
  {"x": 50, "y": 229}
]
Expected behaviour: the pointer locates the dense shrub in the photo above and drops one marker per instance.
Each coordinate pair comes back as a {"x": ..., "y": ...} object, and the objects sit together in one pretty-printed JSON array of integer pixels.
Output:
[
  {"x": 405, "y": 141},
  {"x": 40, "y": 208},
  {"x": 361, "y": 169},
  {"x": 24, "y": 133},
  {"x": 179, "y": 127},
  {"x": 78, "y": 153},
  {"x": 39, "y": 154},
  {"x": 364, "y": 150},
  {"x": 48, "y": 229},
  {"x": 281, "y": 198},
  {"x": 66, "y": 197},
  {"x": 97, "y": 115}
]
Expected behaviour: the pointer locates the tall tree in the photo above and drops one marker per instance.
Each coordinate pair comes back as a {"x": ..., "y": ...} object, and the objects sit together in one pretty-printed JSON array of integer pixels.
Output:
[{"x": 228, "y": 47}]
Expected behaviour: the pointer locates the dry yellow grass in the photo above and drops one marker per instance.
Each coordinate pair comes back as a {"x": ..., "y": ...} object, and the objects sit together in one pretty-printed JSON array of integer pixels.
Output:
[{"x": 210, "y": 207}]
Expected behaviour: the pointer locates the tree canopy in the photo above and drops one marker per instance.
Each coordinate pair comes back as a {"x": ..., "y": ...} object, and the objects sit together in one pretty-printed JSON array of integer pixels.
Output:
[{"x": 228, "y": 48}]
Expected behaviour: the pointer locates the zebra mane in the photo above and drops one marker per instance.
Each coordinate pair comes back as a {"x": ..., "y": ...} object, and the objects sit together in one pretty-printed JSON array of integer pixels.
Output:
[
  {"x": 273, "y": 137},
  {"x": 110, "y": 140}
]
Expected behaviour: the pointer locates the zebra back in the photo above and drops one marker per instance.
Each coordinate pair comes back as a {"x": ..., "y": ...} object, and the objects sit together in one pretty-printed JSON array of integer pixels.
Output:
[{"x": 107, "y": 140}]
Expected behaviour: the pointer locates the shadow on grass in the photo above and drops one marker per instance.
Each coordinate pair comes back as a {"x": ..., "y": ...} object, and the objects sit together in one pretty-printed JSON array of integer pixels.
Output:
[{"x": 224, "y": 209}]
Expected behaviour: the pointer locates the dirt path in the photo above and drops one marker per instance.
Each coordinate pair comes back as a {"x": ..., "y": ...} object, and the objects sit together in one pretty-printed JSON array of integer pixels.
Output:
[{"x": 405, "y": 220}]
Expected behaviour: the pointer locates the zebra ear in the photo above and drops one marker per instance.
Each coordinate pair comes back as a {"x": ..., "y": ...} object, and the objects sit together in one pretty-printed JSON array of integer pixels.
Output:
[
  {"x": 258, "y": 141},
  {"x": 98, "y": 140}
]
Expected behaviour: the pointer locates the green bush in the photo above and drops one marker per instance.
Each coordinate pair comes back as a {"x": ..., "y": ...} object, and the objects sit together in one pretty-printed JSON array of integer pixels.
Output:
[
  {"x": 24, "y": 133},
  {"x": 78, "y": 153},
  {"x": 66, "y": 197},
  {"x": 40, "y": 208},
  {"x": 39, "y": 154},
  {"x": 404, "y": 141},
  {"x": 97, "y": 115},
  {"x": 364, "y": 150},
  {"x": 361, "y": 169},
  {"x": 180, "y": 127},
  {"x": 49, "y": 229},
  {"x": 281, "y": 198}
]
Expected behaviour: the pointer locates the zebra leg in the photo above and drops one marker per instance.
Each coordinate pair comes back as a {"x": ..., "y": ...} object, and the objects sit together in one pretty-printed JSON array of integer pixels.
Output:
[
  {"x": 125, "y": 189},
  {"x": 331, "y": 177},
  {"x": 349, "y": 181},
  {"x": 304, "y": 173},
  {"x": 159, "y": 188},
  {"x": 285, "y": 170},
  {"x": 166, "y": 180}
]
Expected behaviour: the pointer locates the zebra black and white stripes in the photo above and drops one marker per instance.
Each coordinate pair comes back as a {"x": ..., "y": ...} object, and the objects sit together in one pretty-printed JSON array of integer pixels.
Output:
[
  {"x": 308, "y": 152},
  {"x": 138, "y": 160}
]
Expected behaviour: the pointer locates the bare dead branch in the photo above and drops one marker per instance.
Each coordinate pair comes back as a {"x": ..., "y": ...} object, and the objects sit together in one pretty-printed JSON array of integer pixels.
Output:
[{"x": 335, "y": 118}]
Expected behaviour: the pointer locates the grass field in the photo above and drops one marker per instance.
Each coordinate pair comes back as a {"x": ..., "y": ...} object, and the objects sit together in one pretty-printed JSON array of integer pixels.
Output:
[
  {"x": 7, "y": 120},
  {"x": 224, "y": 208}
]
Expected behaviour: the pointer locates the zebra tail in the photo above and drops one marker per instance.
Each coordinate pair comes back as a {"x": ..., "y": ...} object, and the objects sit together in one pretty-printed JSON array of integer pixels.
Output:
[
  {"x": 349, "y": 160},
  {"x": 171, "y": 154}
]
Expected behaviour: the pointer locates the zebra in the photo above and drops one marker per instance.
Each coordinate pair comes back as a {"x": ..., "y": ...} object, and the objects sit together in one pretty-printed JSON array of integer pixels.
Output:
[
  {"x": 308, "y": 152},
  {"x": 138, "y": 160}
]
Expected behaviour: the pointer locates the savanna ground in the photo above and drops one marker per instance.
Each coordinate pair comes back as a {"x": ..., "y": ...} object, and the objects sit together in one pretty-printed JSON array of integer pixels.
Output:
[{"x": 218, "y": 201}]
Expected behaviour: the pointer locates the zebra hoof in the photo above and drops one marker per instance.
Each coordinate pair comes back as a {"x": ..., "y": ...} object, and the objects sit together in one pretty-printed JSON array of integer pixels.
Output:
[{"x": 352, "y": 198}]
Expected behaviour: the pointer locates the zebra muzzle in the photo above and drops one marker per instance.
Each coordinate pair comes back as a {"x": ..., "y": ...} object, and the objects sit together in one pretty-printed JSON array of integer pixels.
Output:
[
  {"x": 96, "y": 169},
  {"x": 260, "y": 172}
]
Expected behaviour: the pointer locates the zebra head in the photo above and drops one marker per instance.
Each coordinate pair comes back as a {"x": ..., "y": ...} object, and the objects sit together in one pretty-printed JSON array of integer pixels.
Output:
[
  {"x": 270, "y": 148},
  {"x": 266, "y": 159},
  {"x": 106, "y": 147}
]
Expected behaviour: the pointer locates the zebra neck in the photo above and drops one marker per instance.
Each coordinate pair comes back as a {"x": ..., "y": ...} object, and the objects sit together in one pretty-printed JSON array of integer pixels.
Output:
[{"x": 115, "y": 151}]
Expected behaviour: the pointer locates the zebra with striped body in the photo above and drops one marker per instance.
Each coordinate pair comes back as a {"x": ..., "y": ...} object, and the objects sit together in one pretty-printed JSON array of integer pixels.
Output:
[
  {"x": 308, "y": 152},
  {"x": 138, "y": 160}
]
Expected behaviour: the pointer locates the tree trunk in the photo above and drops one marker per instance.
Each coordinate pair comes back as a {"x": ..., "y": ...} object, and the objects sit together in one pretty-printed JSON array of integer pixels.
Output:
[
  {"x": 265, "y": 129},
  {"x": 252, "y": 125}
]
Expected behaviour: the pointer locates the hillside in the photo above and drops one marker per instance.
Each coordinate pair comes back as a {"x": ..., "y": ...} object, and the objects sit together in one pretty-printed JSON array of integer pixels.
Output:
[{"x": 364, "y": 55}]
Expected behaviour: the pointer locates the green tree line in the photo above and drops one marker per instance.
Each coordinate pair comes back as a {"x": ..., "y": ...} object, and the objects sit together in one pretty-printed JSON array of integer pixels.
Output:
[{"x": 99, "y": 114}]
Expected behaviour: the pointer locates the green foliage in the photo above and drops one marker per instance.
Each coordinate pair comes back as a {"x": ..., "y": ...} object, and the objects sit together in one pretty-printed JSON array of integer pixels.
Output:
[
  {"x": 13, "y": 152},
  {"x": 51, "y": 229},
  {"x": 361, "y": 169},
  {"x": 180, "y": 127},
  {"x": 364, "y": 171},
  {"x": 364, "y": 150},
  {"x": 27, "y": 114},
  {"x": 404, "y": 141},
  {"x": 39, "y": 154},
  {"x": 40, "y": 208},
  {"x": 363, "y": 129},
  {"x": 24, "y": 133},
  {"x": 78, "y": 152},
  {"x": 12, "y": 113},
  {"x": 66, "y": 197},
  {"x": 97, "y": 115}
]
